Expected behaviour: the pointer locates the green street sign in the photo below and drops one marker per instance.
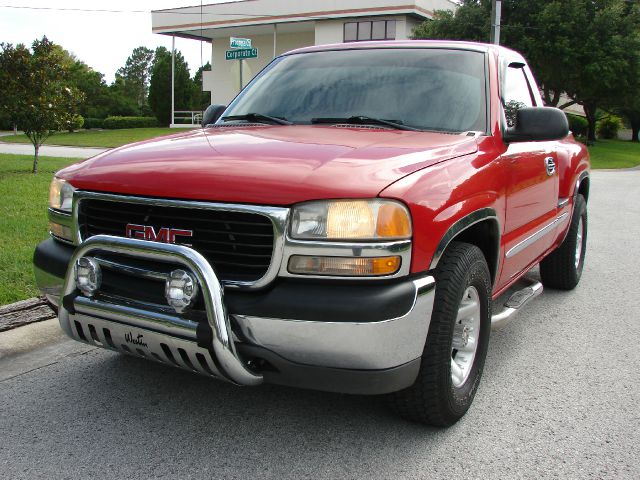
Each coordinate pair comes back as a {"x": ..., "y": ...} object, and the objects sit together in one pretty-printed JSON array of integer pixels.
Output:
[
  {"x": 239, "y": 42},
  {"x": 240, "y": 54}
]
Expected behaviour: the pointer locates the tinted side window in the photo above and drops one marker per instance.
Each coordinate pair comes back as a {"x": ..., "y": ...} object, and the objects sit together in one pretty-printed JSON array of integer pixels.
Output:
[{"x": 516, "y": 93}]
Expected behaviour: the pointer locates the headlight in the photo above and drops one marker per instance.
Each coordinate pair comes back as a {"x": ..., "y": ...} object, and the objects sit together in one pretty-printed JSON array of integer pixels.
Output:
[
  {"x": 60, "y": 195},
  {"x": 351, "y": 220}
]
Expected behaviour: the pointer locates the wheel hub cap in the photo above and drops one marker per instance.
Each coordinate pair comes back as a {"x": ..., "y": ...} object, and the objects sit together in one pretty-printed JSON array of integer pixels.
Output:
[
  {"x": 579, "y": 243},
  {"x": 466, "y": 333}
]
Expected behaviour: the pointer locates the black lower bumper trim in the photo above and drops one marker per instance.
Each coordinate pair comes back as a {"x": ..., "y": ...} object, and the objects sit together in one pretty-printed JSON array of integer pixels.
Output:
[
  {"x": 359, "y": 382},
  {"x": 53, "y": 257}
]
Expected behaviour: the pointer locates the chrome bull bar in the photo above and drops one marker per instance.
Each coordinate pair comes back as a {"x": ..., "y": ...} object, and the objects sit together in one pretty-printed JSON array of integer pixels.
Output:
[{"x": 229, "y": 363}]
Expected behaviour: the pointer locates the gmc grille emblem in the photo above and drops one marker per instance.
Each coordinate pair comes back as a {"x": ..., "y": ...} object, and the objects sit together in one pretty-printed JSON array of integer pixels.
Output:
[{"x": 147, "y": 232}]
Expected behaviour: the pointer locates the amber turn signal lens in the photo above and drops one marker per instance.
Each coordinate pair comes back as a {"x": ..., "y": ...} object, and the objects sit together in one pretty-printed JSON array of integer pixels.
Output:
[
  {"x": 393, "y": 221},
  {"x": 344, "y": 266},
  {"x": 385, "y": 265}
]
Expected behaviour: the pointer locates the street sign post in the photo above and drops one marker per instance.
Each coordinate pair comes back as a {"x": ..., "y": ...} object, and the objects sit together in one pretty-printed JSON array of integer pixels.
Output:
[
  {"x": 240, "y": 54},
  {"x": 239, "y": 42}
]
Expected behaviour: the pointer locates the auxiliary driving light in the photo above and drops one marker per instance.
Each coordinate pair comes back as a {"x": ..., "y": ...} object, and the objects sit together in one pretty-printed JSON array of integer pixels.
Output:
[
  {"x": 88, "y": 275},
  {"x": 180, "y": 290}
]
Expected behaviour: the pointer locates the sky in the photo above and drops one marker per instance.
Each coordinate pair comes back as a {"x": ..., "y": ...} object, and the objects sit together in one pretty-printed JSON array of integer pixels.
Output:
[{"x": 102, "y": 40}]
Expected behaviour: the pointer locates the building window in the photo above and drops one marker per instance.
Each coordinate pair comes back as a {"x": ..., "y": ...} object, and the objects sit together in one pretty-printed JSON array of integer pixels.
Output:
[{"x": 363, "y": 31}]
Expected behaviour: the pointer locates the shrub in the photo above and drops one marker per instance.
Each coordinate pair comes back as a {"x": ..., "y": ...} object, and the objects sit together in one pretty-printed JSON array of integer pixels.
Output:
[
  {"x": 578, "y": 125},
  {"x": 93, "y": 123},
  {"x": 113, "y": 123},
  {"x": 608, "y": 127},
  {"x": 75, "y": 123}
]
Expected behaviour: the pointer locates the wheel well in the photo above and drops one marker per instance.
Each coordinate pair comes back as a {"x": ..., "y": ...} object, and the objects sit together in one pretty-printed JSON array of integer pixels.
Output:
[
  {"x": 583, "y": 188},
  {"x": 486, "y": 236}
]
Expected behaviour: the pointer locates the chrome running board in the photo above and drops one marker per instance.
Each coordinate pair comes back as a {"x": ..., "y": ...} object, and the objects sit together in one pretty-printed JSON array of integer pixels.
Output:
[{"x": 516, "y": 301}]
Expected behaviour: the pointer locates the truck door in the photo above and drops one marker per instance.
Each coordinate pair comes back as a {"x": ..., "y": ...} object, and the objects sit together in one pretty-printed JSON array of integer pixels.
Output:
[{"x": 532, "y": 193}]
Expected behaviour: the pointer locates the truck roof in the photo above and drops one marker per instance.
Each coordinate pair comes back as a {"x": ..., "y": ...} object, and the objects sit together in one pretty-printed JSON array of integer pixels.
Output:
[{"x": 450, "y": 44}]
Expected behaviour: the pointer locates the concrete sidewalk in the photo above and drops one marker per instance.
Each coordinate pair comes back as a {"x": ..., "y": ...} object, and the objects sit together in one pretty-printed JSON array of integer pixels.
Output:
[{"x": 51, "y": 150}]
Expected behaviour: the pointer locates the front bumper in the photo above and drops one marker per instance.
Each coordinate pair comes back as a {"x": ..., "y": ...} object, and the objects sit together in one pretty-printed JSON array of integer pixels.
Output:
[{"x": 329, "y": 336}]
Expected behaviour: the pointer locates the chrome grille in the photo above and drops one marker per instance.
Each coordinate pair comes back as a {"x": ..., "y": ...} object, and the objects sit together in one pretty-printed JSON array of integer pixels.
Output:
[{"x": 239, "y": 245}]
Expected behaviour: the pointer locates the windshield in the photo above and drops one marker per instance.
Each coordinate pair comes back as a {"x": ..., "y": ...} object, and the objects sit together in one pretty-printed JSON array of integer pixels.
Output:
[{"x": 430, "y": 89}]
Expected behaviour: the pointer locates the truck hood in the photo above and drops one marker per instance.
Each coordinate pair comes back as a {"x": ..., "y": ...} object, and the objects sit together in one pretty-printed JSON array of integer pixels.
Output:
[{"x": 272, "y": 165}]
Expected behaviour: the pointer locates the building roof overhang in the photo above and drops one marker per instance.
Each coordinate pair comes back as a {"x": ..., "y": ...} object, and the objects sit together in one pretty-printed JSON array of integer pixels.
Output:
[{"x": 253, "y": 17}]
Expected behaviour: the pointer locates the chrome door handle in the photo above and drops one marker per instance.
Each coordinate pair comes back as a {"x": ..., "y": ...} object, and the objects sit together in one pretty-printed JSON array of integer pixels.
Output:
[{"x": 550, "y": 165}]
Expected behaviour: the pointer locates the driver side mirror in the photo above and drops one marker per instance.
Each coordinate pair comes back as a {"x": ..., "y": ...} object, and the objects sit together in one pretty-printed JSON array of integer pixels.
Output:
[
  {"x": 537, "y": 124},
  {"x": 212, "y": 114}
]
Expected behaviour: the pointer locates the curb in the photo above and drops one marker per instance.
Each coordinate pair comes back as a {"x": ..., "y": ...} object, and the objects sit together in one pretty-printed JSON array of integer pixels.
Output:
[
  {"x": 628, "y": 169},
  {"x": 24, "y": 312}
]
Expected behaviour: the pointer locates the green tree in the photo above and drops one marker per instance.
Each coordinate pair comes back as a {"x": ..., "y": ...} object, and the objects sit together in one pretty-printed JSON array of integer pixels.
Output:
[
  {"x": 604, "y": 65},
  {"x": 586, "y": 48},
  {"x": 120, "y": 101},
  {"x": 136, "y": 74},
  {"x": 95, "y": 90},
  {"x": 36, "y": 90},
  {"x": 88, "y": 81},
  {"x": 160, "y": 85},
  {"x": 628, "y": 105},
  {"x": 471, "y": 21}
]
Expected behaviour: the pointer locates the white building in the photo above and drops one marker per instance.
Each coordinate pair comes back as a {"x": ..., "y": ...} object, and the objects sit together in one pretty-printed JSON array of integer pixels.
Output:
[{"x": 277, "y": 26}]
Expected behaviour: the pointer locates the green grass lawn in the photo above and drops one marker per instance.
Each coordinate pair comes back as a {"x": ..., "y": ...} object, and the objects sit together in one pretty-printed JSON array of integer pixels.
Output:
[
  {"x": 24, "y": 223},
  {"x": 614, "y": 154},
  {"x": 98, "y": 138}
]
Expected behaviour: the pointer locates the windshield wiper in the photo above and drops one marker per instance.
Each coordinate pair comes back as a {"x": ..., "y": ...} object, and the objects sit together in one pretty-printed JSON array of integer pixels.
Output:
[
  {"x": 364, "y": 120},
  {"x": 259, "y": 117}
]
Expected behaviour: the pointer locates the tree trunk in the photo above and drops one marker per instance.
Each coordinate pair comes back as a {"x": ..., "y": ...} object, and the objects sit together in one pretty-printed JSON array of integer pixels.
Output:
[
  {"x": 635, "y": 131},
  {"x": 551, "y": 97},
  {"x": 35, "y": 159},
  {"x": 590, "y": 112}
]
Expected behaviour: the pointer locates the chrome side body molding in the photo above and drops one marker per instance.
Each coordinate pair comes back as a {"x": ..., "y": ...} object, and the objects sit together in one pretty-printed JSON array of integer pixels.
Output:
[{"x": 537, "y": 235}]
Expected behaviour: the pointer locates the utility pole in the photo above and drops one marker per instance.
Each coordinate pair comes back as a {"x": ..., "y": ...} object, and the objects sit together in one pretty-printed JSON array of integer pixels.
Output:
[
  {"x": 496, "y": 14},
  {"x": 173, "y": 79}
]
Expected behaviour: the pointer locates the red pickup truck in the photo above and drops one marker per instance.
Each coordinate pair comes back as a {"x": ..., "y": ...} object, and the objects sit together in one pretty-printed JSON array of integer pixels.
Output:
[{"x": 356, "y": 220}]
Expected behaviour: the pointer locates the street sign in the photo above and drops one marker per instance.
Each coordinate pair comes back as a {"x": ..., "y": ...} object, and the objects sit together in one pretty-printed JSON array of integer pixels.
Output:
[
  {"x": 239, "y": 42},
  {"x": 240, "y": 54}
]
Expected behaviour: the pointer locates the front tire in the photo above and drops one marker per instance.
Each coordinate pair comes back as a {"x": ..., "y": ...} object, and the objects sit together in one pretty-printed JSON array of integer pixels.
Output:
[
  {"x": 457, "y": 342},
  {"x": 562, "y": 268}
]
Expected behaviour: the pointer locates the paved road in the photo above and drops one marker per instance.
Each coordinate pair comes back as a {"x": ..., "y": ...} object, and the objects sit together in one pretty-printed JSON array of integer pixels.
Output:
[
  {"x": 559, "y": 398},
  {"x": 51, "y": 150}
]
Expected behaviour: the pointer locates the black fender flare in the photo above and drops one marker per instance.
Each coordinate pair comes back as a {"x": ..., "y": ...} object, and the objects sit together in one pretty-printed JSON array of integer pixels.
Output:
[{"x": 464, "y": 223}]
